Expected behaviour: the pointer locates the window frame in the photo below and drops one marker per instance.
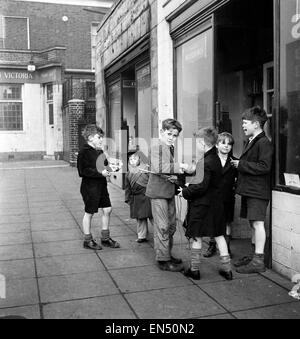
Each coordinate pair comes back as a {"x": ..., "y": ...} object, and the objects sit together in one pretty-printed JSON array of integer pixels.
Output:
[
  {"x": 277, "y": 64},
  {"x": 19, "y": 101}
]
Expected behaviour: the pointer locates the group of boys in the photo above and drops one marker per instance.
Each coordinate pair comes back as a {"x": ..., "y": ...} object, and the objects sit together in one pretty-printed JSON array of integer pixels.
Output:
[{"x": 253, "y": 184}]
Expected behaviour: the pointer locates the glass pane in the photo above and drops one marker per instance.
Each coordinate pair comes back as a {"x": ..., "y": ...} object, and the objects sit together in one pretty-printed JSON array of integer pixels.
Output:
[
  {"x": 11, "y": 118},
  {"x": 195, "y": 83},
  {"x": 115, "y": 113},
  {"x": 51, "y": 114},
  {"x": 50, "y": 92},
  {"x": 129, "y": 111},
  {"x": 289, "y": 115},
  {"x": 8, "y": 92},
  {"x": 144, "y": 106}
]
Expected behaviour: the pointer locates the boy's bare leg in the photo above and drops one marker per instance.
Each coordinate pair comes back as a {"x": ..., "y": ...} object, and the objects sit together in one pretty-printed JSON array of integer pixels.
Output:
[
  {"x": 142, "y": 229},
  {"x": 87, "y": 223},
  {"x": 106, "y": 218},
  {"x": 222, "y": 245},
  {"x": 260, "y": 237}
]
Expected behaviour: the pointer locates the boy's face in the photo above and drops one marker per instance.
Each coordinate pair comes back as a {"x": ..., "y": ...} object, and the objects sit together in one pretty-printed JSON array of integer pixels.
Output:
[
  {"x": 134, "y": 161},
  {"x": 250, "y": 127},
  {"x": 169, "y": 136},
  {"x": 224, "y": 146},
  {"x": 201, "y": 145},
  {"x": 96, "y": 141}
]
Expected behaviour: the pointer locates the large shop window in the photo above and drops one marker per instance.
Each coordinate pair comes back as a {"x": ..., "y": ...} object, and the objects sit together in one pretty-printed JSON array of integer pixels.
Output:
[
  {"x": 194, "y": 58},
  {"x": 289, "y": 110},
  {"x": 11, "y": 108}
]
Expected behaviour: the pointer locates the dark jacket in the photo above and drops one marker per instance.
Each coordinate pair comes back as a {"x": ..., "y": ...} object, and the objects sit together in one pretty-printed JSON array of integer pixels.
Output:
[
  {"x": 140, "y": 204},
  {"x": 254, "y": 179},
  {"x": 92, "y": 180},
  {"x": 163, "y": 164},
  {"x": 206, "y": 212},
  {"x": 228, "y": 188}
]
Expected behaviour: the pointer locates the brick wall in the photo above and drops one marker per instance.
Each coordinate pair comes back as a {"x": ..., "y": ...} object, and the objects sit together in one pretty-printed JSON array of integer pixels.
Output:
[{"x": 47, "y": 29}]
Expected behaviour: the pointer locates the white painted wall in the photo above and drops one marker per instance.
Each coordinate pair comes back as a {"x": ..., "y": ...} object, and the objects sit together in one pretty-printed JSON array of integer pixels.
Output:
[
  {"x": 286, "y": 233},
  {"x": 165, "y": 60},
  {"x": 32, "y": 138}
]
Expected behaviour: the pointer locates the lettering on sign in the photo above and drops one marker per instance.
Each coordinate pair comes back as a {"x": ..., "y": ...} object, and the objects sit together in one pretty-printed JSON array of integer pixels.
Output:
[{"x": 15, "y": 76}]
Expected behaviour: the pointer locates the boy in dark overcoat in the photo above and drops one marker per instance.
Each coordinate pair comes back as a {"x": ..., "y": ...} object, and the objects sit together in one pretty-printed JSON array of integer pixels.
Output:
[
  {"x": 254, "y": 185},
  {"x": 206, "y": 211},
  {"x": 228, "y": 186},
  {"x": 94, "y": 187},
  {"x": 136, "y": 181}
]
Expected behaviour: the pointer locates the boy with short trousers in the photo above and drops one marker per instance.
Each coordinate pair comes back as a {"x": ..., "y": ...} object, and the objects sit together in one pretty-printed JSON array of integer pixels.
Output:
[
  {"x": 254, "y": 185},
  {"x": 94, "y": 187}
]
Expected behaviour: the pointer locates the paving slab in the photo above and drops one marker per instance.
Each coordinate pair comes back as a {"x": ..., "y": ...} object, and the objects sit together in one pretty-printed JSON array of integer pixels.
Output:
[
  {"x": 51, "y": 249},
  {"x": 68, "y": 264},
  {"x": 139, "y": 279},
  {"x": 50, "y": 225},
  {"x": 110, "y": 307},
  {"x": 282, "y": 311},
  {"x": 13, "y": 211},
  {"x": 15, "y": 238},
  {"x": 246, "y": 293},
  {"x": 127, "y": 258},
  {"x": 17, "y": 269},
  {"x": 226, "y": 316},
  {"x": 9, "y": 252},
  {"x": 14, "y": 219},
  {"x": 173, "y": 303},
  {"x": 29, "y": 312},
  {"x": 20, "y": 293},
  {"x": 62, "y": 235},
  {"x": 76, "y": 286}
]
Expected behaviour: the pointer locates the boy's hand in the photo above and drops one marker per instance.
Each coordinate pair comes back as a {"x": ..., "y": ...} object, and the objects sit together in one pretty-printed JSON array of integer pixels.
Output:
[
  {"x": 235, "y": 163},
  {"x": 172, "y": 179},
  {"x": 180, "y": 189},
  {"x": 105, "y": 173}
]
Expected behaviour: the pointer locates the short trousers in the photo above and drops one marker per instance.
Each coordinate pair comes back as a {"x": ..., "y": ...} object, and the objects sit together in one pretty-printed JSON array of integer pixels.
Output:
[
  {"x": 254, "y": 209},
  {"x": 93, "y": 202}
]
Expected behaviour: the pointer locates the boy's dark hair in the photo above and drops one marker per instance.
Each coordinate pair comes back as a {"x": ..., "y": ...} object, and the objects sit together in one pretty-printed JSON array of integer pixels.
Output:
[
  {"x": 209, "y": 135},
  {"x": 171, "y": 124},
  {"x": 225, "y": 135},
  {"x": 256, "y": 114},
  {"x": 91, "y": 130}
]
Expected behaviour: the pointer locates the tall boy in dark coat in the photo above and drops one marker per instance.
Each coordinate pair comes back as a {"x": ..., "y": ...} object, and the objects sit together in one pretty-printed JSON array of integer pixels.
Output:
[
  {"x": 206, "y": 211},
  {"x": 254, "y": 185},
  {"x": 94, "y": 187}
]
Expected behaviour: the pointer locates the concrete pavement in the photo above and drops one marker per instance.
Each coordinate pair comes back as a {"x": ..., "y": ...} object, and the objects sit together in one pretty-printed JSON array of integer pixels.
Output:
[{"x": 49, "y": 275}]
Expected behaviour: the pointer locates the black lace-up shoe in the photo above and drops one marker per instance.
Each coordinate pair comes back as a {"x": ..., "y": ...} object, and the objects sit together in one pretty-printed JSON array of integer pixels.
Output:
[
  {"x": 226, "y": 275},
  {"x": 195, "y": 275},
  {"x": 110, "y": 243},
  {"x": 92, "y": 245},
  {"x": 176, "y": 261}
]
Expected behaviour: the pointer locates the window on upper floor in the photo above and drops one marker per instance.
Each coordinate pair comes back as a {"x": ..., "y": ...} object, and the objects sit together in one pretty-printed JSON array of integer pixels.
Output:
[
  {"x": 94, "y": 29},
  {"x": 11, "y": 107},
  {"x": 14, "y": 33}
]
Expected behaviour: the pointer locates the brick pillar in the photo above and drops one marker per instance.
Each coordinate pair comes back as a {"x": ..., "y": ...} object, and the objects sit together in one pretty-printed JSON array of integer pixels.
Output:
[{"x": 76, "y": 114}]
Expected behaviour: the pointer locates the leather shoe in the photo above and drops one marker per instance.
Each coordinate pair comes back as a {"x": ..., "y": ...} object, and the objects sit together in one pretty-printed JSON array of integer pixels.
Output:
[
  {"x": 195, "y": 275},
  {"x": 226, "y": 275},
  {"x": 169, "y": 266},
  {"x": 176, "y": 261},
  {"x": 92, "y": 245}
]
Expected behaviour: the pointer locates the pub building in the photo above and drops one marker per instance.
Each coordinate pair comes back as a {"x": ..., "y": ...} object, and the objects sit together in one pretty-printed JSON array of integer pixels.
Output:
[{"x": 204, "y": 62}]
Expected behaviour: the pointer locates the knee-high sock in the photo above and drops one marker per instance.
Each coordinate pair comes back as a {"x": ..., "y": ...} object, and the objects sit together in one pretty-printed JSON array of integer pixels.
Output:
[{"x": 195, "y": 259}]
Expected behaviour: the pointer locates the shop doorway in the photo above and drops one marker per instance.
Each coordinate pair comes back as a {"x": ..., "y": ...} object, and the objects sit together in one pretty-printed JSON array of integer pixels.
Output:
[
  {"x": 129, "y": 112},
  {"x": 244, "y": 74},
  {"x": 50, "y": 131}
]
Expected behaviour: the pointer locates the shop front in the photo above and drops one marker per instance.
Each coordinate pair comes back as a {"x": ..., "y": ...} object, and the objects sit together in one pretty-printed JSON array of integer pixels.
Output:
[
  {"x": 232, "y": 55},
  {"x": 30, "y": 113}
]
